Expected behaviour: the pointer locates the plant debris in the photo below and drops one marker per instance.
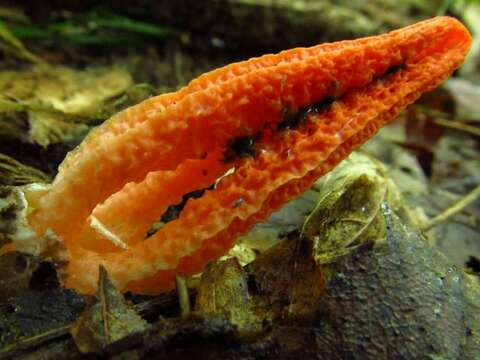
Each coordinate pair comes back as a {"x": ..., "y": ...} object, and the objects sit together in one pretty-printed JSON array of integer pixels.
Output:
[
  {"x": 107, "y": 321},
  {"x": 35, "y": 317},
  {"x": 13, "y": 172},
  {"x": 341, "y": 272},
  {"x": 291, "y": 301},
  {"x": 223, "y": 290}
]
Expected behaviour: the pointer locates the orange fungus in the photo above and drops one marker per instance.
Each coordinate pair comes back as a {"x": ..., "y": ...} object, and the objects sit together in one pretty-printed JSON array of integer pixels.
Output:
[{"x": 271, "y": 125}]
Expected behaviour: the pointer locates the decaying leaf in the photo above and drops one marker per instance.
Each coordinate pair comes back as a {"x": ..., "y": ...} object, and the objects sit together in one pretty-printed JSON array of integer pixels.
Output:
[
  {"x": 223, "y": 291},
  {"x": 336, "y": 230},
  {"x": 107, "y": 321},
  {"x": 35, "y": 317},
  {"x": 58, "y": 102},
  {"x": 346, "y": 216},
  {"x": 50, "y": 127},
  {"x": 80, "y": 93}
]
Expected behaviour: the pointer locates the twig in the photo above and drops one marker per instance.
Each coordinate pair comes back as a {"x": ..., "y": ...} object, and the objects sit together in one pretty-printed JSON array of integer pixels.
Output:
[
  {"x": 439, "y": 117},
  {"x": 458, "y": 206},
  {"x": 9, "y": 43},
  {"x": 183, "y": 297},
  {"x": 28, "y": 342},
  {"x": 457, "y": 125}
]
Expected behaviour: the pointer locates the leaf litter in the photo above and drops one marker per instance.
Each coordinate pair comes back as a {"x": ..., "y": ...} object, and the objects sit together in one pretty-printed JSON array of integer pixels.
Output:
[
  {"x": 318, "y": 268},
  {"x": 107, "y": 321}
]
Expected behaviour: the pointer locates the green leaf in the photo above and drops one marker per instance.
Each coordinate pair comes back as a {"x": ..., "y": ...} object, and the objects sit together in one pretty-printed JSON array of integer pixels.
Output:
[{"x": 9, "y": 43}]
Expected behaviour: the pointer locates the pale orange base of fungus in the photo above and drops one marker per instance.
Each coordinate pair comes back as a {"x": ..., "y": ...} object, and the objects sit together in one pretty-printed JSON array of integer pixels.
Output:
[{"x": 128, "y": 171}]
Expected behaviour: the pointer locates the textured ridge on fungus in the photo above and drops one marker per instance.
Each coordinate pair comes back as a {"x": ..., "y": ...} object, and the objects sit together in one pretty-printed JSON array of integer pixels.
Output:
[
  {"x": 202, "y": 120},
  {"x": 131, "y": 223},
  {"x": 169, "y": 140},
  {"x": 135, "y": 114},
  {"x": 219, "y": 243}
]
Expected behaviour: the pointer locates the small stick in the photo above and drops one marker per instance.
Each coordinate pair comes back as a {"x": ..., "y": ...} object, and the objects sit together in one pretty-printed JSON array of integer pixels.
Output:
[
  {"x": 455, "y": 208},
  {"x": 458, "y": 126},
  {"x": 439, "y": 117},
  {"x": 183, "y": 297}
]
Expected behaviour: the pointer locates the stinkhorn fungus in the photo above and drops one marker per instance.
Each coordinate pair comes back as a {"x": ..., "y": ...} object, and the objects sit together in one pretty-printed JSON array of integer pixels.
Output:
[{"x": 251, "y": 135}]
